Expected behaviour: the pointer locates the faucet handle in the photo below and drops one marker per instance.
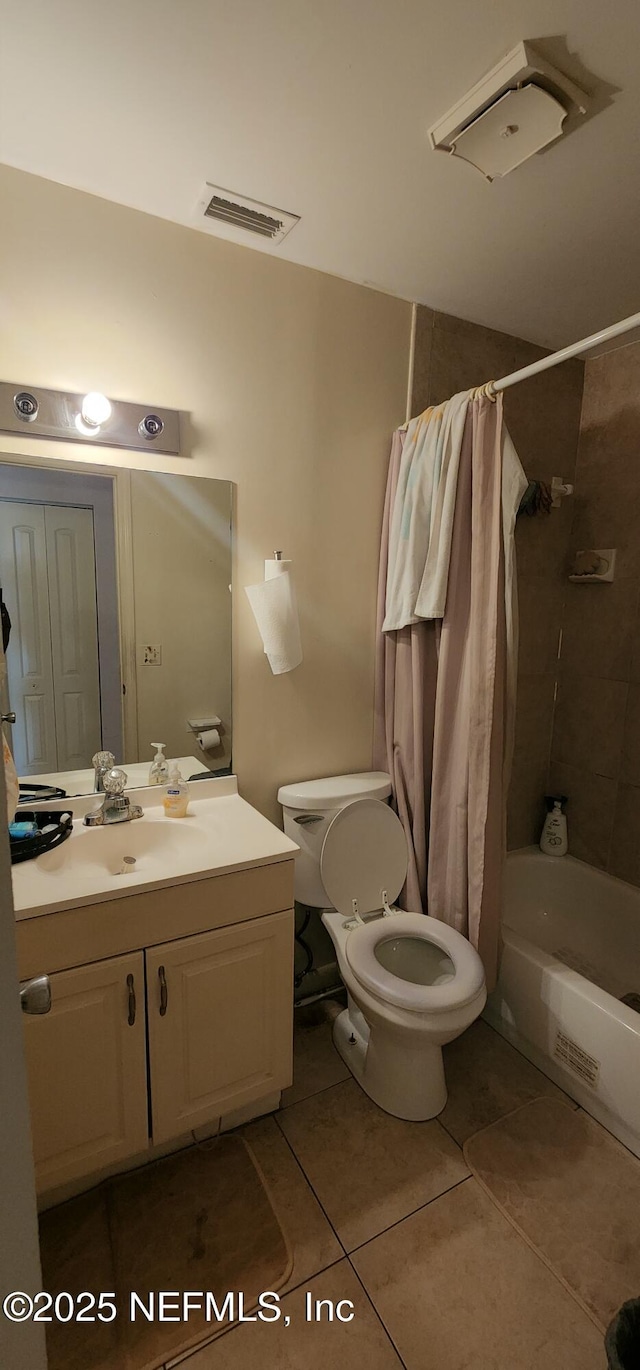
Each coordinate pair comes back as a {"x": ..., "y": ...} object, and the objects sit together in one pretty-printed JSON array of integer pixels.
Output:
[
  {"x": 115, "y": 781},
  {"x": 103, "y": 761}
]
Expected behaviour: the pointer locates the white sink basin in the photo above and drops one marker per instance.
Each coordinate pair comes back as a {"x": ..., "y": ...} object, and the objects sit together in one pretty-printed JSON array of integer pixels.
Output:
[
  {"x": 221, "y": 833},
  {"x": 144, "y": 841}
]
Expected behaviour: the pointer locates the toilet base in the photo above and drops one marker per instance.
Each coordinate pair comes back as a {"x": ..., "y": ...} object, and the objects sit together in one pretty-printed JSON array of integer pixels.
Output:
[{"x": 404, "y": 1080}]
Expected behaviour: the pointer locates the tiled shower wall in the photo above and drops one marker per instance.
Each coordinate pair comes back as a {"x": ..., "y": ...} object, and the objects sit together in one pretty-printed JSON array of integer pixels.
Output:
[
  {"x": 596, "y": 735},
  {"x": 543, "y": 416}
]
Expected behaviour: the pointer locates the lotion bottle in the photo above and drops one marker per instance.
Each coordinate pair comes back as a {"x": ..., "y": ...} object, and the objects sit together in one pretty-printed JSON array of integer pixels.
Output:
[
  {"x": 176, "y": 798},
  {"x": 553, "y": 839}
]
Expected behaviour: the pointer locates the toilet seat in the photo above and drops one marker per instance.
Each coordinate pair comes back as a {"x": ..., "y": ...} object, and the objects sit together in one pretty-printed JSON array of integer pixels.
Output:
[{"x": 466, "y": 982}]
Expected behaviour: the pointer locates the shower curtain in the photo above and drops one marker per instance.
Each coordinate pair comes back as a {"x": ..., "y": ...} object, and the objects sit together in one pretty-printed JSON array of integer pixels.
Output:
[{"x": 445, "y": 694}]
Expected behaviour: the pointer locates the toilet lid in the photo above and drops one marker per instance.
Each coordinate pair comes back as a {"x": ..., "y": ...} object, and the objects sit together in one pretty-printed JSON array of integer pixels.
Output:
[{"x": 364, "y": 853}]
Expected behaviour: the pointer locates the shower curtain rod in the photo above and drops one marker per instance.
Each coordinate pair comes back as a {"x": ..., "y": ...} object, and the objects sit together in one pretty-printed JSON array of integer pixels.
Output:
[{"x": 573, "y": 350}]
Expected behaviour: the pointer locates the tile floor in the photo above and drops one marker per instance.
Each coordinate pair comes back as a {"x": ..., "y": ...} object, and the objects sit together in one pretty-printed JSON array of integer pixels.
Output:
[{"x": 385, "y": 1214}]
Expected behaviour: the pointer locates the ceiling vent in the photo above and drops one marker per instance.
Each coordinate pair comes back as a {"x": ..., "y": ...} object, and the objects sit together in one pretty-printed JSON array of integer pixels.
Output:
[
  {"x": 237, "y": 217},
  {"x": 516, "y": 110}
]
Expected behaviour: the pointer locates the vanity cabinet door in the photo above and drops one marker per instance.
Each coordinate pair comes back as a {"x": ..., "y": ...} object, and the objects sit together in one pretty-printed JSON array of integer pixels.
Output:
[
  {"x": 220, "y": 1012},
  {"x": 86, "y": 1063}
]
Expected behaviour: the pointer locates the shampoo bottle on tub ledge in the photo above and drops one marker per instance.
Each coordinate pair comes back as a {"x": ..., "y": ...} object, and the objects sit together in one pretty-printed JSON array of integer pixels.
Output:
[{"x": 553, "y": 839}]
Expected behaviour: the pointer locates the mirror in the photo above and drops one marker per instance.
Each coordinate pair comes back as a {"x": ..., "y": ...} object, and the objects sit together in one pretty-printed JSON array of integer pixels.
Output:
[{"x": 117, "y": 585}]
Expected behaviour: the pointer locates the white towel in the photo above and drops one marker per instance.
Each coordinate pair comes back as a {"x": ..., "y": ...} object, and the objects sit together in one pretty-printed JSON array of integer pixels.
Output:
[{"x": 422, "y": 518}]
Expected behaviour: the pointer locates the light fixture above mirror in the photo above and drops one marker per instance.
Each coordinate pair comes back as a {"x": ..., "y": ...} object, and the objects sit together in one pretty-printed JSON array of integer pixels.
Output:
[{"x": 92, "y": 417}]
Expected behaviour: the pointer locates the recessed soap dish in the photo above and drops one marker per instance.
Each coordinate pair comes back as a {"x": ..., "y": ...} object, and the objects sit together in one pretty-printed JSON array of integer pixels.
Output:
[{"x": 594, "y": 565}]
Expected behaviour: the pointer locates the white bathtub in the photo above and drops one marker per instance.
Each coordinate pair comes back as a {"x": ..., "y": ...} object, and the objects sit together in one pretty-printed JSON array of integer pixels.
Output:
[{"x": 571, "y": 950}]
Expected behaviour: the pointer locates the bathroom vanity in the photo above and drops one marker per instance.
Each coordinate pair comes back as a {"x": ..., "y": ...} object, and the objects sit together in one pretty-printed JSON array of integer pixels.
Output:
[{"x": 171, "y": 987}]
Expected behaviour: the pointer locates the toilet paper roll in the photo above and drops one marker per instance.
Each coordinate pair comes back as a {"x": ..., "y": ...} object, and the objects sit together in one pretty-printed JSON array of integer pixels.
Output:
[
  {"x": 209, "y": 739},
  {"x": 275, "y": 611},
  {"x": 275, "y": 568}
]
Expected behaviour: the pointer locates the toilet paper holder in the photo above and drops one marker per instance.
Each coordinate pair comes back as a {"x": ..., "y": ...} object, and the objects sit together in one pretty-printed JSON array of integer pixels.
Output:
[
  {"x": 206, "y": 732},
  {"x": 200, "y": 725}
]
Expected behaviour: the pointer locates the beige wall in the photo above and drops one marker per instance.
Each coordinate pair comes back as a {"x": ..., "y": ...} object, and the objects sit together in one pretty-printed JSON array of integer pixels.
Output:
[
  {"x": 596, "y": 738},
  {"x": 543, "y": 416},
  {"x": 293, "y": 380}
]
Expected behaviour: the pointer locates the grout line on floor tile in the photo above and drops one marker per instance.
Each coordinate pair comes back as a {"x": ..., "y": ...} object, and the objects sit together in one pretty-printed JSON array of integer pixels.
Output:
[
  {"x": 291, "y": 1289},
  {"x": 411, "y": 1214},
  {"x": 313, "y": 1095},
  {"x": 391, "y": 1225},
  {"x": 174, "y": 1365},
  {"x": 520, "y": 1236},
  {"x": 378, "y": 1314},
  {"x": 336, "y": 1085},
  {"x": 311, "y": 1187},
  {"x": 543, "y": 1260},
  {"x": 448, "y": 1133}
]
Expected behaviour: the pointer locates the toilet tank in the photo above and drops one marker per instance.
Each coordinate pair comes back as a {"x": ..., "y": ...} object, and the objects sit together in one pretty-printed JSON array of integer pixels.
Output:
[{"x": 309, "y": 806}]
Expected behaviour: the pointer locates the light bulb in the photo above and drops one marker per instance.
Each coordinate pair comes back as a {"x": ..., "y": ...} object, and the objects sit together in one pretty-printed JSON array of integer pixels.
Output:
[
  {"x": 88, "y": 430},
  {"x": 96, "y": 409}
]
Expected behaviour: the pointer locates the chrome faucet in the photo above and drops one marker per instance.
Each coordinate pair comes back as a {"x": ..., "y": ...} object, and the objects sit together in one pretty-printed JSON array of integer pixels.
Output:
[
  {"x": 101, "y": 762},
  {"x": 116, "y": 806}
]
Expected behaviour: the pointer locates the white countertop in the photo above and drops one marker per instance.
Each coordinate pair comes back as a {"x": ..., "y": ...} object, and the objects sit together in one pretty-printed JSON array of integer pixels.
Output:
[{"x": 221, "y": 833}]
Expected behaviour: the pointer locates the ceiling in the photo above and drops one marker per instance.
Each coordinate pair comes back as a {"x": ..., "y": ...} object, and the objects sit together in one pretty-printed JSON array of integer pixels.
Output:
[{"x": 323, "y": 109}]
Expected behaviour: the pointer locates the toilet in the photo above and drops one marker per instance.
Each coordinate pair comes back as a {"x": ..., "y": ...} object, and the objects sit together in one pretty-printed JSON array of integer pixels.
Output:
[{"x": 413, "y": 983}]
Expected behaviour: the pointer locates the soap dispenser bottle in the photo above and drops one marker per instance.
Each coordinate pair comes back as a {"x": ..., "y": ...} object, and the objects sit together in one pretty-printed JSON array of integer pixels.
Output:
[
  {"x": 176, "y": 797},
  {"x": 553, "y": 839},
  {"x": 159, "y": 768}
]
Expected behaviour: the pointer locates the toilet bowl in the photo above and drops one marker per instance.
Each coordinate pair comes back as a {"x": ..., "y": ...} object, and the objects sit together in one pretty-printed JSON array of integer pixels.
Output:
[
  {"x": 392, "y": 1032},
  {"x": 413, "y": 983}
]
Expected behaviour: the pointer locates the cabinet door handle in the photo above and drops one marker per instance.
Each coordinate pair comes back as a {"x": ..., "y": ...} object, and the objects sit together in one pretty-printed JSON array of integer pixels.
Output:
[
  {"x": 35, "y": 995},
  {"x": 164, "y": 995},
  {"x": 132, "y": 1001}
]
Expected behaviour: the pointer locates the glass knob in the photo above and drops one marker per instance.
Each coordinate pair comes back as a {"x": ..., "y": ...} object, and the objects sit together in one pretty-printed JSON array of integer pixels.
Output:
[
  {"x": 115, "y": 781},
  {"x": 102, "y": 761}
]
